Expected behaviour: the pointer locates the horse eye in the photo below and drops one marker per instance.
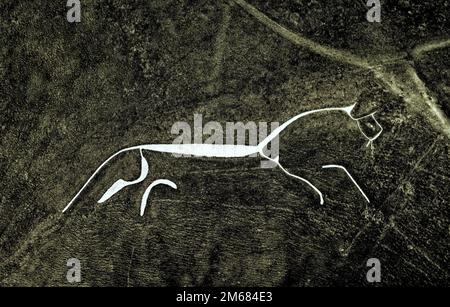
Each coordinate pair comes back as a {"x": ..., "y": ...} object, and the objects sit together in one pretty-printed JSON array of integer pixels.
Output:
[{"x": 370, "y": 127}]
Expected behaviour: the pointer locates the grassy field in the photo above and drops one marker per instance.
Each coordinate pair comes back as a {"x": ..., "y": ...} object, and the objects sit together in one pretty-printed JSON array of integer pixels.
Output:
[{"x": 72, "y": 94}]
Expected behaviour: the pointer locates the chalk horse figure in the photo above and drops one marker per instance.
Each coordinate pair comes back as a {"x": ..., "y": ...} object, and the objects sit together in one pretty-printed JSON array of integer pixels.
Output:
[{"x": 220, "y": 151}]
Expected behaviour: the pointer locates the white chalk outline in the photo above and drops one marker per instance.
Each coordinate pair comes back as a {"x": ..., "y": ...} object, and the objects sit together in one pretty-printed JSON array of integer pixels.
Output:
[
  {"x": 351, "y": 178},
  {"x": 149, "y": 189},
  {"x": 365, "y": 135},
  {"x": 219, "y": 151}
]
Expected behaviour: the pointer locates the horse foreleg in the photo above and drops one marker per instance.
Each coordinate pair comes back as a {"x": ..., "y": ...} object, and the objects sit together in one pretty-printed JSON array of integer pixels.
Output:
[{"x": 277, "y": 162}]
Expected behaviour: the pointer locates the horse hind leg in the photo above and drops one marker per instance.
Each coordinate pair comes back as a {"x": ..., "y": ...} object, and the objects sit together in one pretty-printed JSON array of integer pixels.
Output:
[
  {"x": 149, "y": 189},
  {"x": 120, "y": 184}
]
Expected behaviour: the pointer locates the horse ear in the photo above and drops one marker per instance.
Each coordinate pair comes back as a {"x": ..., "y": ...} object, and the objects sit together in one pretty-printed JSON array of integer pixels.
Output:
[
  {"x": 370, "y": 99},
  {"x": 364, "y": 108}
]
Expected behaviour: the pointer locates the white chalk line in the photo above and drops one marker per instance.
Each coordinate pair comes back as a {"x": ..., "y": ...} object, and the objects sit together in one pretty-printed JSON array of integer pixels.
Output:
[
  {"x": 212, "y": 150},
  {"x": 351, "y": 178},
  {"x": 149, "y": 189}
]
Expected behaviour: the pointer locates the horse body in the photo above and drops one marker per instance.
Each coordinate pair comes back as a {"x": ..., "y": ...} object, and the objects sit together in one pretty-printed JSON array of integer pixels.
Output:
[
  {"x": 205, "y": 150},
  {"x": 212, "y": 150}
]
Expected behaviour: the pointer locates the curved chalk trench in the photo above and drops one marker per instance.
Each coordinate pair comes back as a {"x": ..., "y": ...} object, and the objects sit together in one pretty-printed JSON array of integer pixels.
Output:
[
  {"x": 120, "y": 184},
  {"x": 149, "y": 189}
]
